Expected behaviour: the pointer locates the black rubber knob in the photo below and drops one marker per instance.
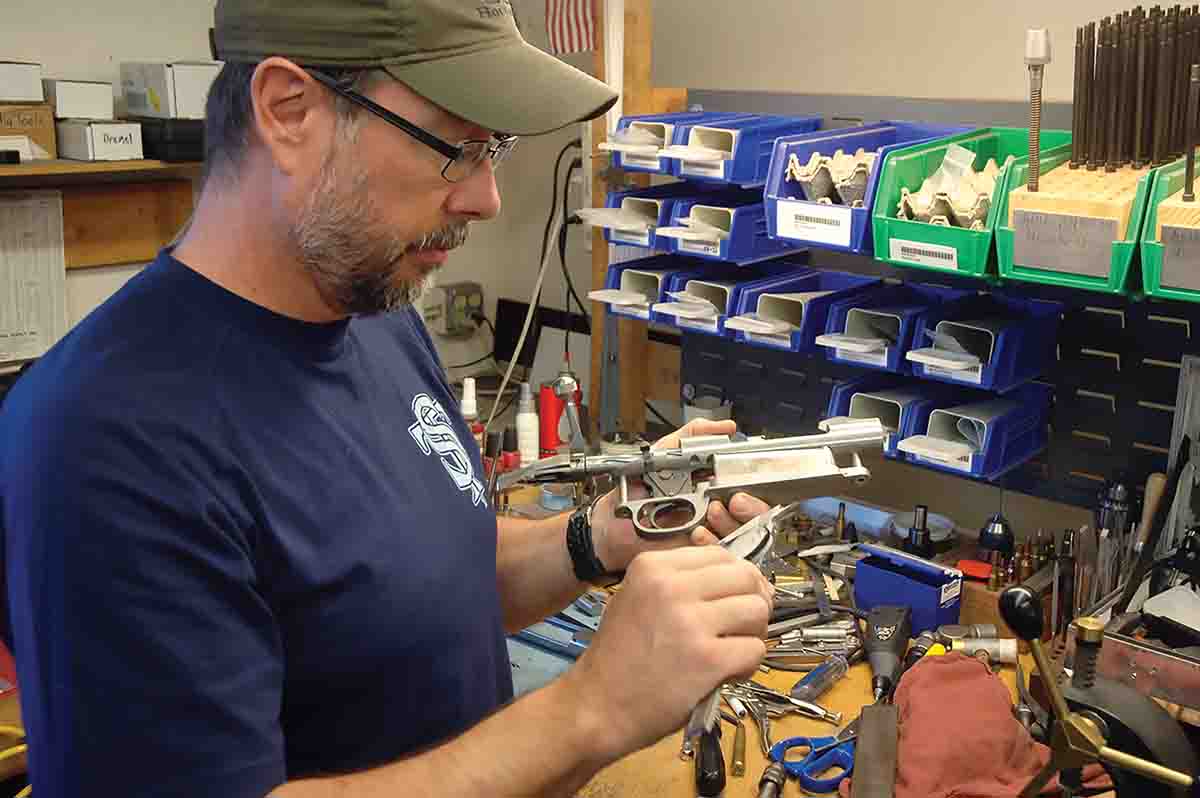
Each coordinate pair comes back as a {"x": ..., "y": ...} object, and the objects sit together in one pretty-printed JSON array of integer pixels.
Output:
[{"x": 1022, "y": 612}]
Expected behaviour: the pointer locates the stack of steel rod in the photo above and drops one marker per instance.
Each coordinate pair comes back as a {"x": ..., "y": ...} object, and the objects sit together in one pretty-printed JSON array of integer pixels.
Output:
[{"x": 1131, "y": 77}]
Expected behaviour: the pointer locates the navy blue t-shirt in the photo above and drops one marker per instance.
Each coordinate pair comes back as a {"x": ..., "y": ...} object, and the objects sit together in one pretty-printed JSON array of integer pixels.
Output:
[{"x": 241, "y": 548}]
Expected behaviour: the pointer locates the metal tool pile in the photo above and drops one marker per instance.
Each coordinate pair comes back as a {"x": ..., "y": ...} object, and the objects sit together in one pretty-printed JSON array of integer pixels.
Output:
[
  {"x": 837, "y": 179},
  {"x": 955, "y": 195},
  {"x": 1131, "y": 80}
]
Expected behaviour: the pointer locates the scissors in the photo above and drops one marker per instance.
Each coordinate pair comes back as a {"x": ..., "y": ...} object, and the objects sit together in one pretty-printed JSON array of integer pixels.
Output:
[{"x": 823, "y": 753}]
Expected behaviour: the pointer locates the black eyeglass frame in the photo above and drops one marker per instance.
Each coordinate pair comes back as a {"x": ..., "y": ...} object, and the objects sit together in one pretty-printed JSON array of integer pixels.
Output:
[{"x": 497, "y": 148}]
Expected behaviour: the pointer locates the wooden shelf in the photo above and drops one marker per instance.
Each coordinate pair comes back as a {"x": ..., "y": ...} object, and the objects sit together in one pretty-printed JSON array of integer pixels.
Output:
[{"x": 65, "y": 172}]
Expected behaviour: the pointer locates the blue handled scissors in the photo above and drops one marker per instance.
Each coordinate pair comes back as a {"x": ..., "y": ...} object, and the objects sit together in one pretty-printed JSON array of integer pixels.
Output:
[{"x": 823, "y": 753}]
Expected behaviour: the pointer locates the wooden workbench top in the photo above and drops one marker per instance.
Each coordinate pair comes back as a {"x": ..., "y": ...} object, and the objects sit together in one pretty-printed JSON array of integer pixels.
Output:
[{"x": 657, "y": 771}]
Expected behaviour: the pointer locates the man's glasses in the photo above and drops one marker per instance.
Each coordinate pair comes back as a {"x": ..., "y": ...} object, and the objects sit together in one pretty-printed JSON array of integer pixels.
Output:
[{"x": 461, "y": 159}]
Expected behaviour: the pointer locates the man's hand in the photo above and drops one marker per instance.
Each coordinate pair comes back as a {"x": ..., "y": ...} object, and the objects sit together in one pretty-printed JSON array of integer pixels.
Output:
[
  {"x": 617, "y": 542},
  {"x": 683, "y": 622}
]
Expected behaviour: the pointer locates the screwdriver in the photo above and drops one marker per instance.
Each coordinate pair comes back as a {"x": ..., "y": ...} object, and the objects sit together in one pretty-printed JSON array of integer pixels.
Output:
[
  {"x": 817, "y": 682},
  {"x": 888, "y": 628},
  {"x": 710, "y": 764}
]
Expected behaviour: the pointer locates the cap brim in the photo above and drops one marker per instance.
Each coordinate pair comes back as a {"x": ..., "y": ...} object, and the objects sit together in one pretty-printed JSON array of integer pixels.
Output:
[{"x": 515, "y": 88}]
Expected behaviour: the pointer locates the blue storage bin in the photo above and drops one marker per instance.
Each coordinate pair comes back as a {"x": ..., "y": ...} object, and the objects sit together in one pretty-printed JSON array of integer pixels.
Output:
[
  {"x": 736, "y": 151},
  {"x": 792, "y": 313},
  {"x": 726, "y": 226},
  {"x": 1007, "y": 340},
  {"x": 652, "y": 208},
  {"x": 633, "y": 287},
  {"x": 722, "y": 289},
  {"x": 986, "y": 438},
  {"x": 874, "y": 328},
  {"x": 903, "y": 406},
  {"x": 889, "y": 577},
  {"x": 793, "y": 217},
  {"x": 667, "y": 128}
]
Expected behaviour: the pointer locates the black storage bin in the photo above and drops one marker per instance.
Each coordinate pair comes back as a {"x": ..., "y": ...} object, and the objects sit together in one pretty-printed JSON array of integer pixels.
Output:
[{"x": 173, "y": 140}]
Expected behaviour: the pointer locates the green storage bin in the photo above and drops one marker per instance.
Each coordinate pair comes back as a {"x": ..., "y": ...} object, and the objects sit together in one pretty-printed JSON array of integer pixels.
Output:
[
  {"x": 1168, "y": 180},
  {"x": 965, "y": 252},
  {"x": 1121, "y": 259}
]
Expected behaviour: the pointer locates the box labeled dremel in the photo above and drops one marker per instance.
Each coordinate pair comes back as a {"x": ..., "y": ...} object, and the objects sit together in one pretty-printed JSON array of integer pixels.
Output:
[{"x": 85, "y": 140}]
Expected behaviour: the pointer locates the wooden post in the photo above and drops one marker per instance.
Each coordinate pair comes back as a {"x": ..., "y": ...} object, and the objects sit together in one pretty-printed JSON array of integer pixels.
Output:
[{"x": 639, "y": 98}]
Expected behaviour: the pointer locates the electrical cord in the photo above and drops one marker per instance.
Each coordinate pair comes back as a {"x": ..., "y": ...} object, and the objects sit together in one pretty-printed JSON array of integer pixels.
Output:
[
  {"x": 659, "y": 415},
  {"x": 562, "y": 251}
]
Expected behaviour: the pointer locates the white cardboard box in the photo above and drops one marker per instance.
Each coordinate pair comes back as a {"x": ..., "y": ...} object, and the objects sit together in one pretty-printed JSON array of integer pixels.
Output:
[
  {"x": 85, "y": 140},
  {"x": 79, "y": 99},
  {"x": 20, "y": 81},
  {"x": 168, "y": 91}
]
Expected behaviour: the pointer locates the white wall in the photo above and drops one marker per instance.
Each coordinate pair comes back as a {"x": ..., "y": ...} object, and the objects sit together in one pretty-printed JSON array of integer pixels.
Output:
[
  {"x": 86, "y": 40},
  {"x": 936, "y": 49}
]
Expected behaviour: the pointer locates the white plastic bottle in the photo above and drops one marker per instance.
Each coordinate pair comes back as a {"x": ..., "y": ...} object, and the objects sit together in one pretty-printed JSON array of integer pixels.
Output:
[
  {"x": 470, "y": 410},
  {"x": 527, "y": 426}
]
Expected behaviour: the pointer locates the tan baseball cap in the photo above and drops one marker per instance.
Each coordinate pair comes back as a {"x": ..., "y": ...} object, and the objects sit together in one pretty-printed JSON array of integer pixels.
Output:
[{"x": 465, "y": 55}]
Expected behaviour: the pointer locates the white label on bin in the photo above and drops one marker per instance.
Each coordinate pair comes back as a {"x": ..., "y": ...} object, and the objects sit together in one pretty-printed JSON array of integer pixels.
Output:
[
  {"x": 973, "y": 374},
  {"x": 1181, "y": 257},
  {"x": 808, "y": 221},
  {"x": 699, "y": 247},
  {"x": 1063, "y": 243},
  {"x": 935, "y": 255},
  {"x": 703, "y": 168},
  {"x": 950, "y": 591},
  {"x": 641, "y": 161},
  {"x": 870, "y": 358},
  {"x": 960, "y": 463},
  {"x": 696, "y": 324},
  {"x": 783, "y": 341},
  {"x": 638, "y": 240}
]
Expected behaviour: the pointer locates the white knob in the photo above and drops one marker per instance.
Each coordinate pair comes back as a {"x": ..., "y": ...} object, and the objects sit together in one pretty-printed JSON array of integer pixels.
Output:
[{"x": 1037, "y": 46}]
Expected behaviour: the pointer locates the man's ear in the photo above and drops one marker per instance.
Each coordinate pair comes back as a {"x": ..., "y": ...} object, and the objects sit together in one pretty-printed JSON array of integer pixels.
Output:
[{"x": 293, "y": 118}]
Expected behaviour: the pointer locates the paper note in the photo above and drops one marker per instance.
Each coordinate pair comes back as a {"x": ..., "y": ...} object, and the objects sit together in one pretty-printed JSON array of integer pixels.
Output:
[
  {"x": 33, "y": 313},
  {"x": 1063, "y": 243}
]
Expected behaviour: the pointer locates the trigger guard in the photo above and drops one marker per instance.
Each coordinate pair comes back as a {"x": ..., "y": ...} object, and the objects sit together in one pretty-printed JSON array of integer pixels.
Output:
[{"x": 650, "y": 533}]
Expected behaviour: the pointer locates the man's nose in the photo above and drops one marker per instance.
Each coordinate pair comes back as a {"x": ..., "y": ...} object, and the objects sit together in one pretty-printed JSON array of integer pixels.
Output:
[{"x": 476, "y": 198}]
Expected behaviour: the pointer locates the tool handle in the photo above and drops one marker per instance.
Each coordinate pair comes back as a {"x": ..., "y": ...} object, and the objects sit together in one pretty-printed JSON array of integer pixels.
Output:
[
  {"x": 738, "y": 762},
  {"x": 1151, "y": 770},
  {"x": 817, "y": 682},
  {"x": 710, "y": 765}
]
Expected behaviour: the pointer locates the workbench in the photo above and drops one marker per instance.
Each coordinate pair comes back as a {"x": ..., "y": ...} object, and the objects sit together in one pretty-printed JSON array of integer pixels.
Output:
[{"x": 658, "y": 772}]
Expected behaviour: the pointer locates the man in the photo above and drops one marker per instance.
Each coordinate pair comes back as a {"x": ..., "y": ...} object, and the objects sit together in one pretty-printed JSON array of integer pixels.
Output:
[{"x": 247, "y": 550}]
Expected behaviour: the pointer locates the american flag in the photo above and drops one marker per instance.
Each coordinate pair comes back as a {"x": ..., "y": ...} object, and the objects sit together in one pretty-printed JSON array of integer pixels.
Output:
[{"x": 571, "y": 26}]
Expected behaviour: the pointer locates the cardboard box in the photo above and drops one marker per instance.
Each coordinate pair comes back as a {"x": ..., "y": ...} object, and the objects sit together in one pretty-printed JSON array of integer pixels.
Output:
[
  {"x": 168, "y": 91},
  {"x": 79, "y": 99},
  {"x": 34, "y": 122},
  {"x": 21, "y": 82},
  {"x": 87, "y": 140}
]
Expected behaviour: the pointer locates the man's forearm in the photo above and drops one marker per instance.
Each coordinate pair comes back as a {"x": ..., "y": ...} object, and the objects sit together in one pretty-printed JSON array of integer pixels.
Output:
[
  {"x": 534, "y": 569},
  {"x": 546, "y": 744}
]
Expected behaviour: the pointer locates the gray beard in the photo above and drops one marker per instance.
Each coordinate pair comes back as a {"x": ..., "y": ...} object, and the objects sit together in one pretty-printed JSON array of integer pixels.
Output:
[{"x": 339, "y": 243}]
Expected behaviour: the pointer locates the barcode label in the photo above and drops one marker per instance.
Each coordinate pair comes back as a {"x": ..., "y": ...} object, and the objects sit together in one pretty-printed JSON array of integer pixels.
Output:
[
  {"x": 951, "y": 591},
  {"x": 870, "y": 358},
  {"x": 637, "y": 240},
  {"x": 807, "y": 221},
  {"x": 972, "y": 375},
  {"x": 700, "y": 247},
  {"x": 703, "y": 168},
  {"x": 935, "y": 255},
  {"x": 962, "y": 463}
]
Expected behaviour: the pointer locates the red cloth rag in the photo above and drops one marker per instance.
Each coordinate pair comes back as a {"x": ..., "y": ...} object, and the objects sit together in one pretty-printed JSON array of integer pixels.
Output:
[{"x": 958, "y": 736}]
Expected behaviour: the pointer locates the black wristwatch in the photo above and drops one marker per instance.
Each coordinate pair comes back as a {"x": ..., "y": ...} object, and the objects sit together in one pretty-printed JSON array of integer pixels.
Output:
[{"x": 584, "y": 562}]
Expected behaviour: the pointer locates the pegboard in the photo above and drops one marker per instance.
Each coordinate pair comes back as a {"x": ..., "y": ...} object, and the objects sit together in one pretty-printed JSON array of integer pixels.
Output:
[{"x": 1114, "y": 385}]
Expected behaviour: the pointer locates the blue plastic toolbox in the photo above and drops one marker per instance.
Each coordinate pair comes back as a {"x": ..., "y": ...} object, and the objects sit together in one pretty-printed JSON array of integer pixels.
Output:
[
  {"x": 985, "y": 438},
  {"x": 794, "y": 216},
  {"x": 726, "y": 226},
  {"x": 638, "y": 140},
  {"x": 991, "y": 341},
  {"x": 736, "y": 151},
  {"x": 874, "y": 328},
  {"x": 902, "y": 406},
  {"x": 632, "y": 217},
  {"x": 703, "y": 303},
  {"x": 888, "y": 577},
  {"x": 791, "y": 314},
  {"x": 631, "y": 288}
]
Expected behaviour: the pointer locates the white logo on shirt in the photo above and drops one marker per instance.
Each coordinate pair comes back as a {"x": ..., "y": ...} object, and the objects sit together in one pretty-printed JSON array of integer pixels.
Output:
[{"x": 435, "y": 435}]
